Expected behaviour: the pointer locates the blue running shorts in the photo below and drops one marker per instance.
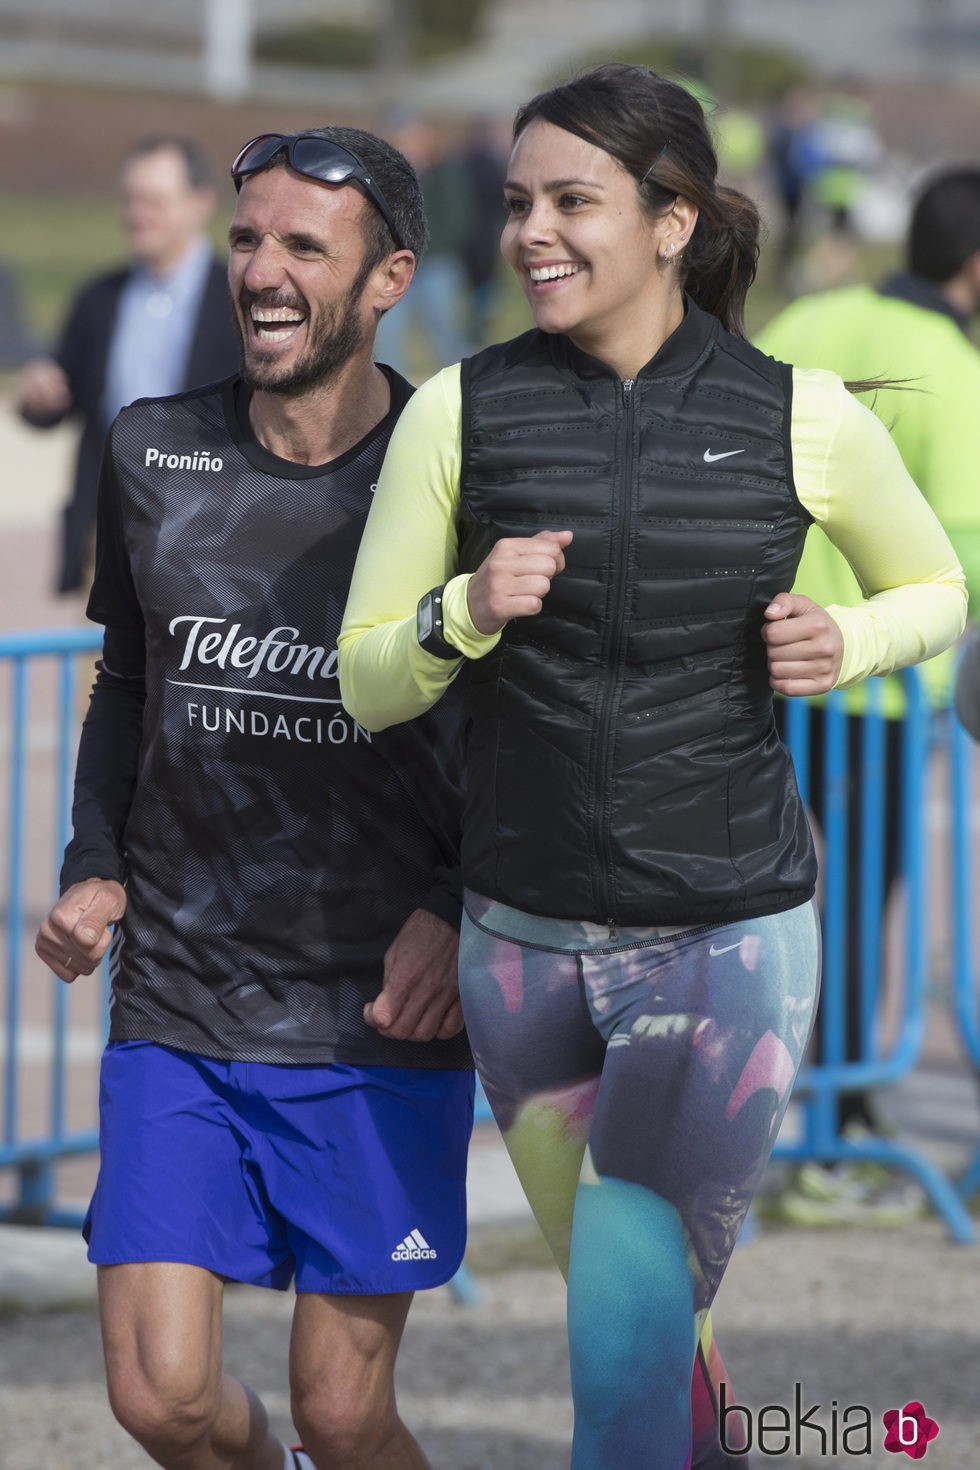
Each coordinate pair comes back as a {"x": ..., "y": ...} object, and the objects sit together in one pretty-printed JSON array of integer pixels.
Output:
[{"x": 350, "y": 1179}]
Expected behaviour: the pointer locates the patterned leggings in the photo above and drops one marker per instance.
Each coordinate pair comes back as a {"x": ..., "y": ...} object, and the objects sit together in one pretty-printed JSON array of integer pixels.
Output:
[{"x": 639, "y": 1083}]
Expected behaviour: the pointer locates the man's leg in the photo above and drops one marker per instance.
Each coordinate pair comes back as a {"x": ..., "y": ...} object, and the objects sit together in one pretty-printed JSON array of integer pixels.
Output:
[
  {"x": 342, "y": 1367},
  {"x": 161, "y": 1333}
]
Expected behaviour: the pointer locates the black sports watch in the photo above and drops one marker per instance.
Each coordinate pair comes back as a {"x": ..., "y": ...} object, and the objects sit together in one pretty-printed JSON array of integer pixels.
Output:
[{"x": 429, "y": 626}]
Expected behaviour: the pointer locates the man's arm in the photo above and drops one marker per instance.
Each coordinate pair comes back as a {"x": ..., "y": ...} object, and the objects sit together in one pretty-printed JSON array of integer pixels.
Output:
[
  {"x": 108, "y": 758},
  {"x": 77, "y": 932},
  {"x": 49, "y": 386}
]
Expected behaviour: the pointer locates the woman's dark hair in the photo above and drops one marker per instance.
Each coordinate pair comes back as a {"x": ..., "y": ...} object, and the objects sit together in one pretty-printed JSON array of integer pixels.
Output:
[{"x": 657, "y": 130}]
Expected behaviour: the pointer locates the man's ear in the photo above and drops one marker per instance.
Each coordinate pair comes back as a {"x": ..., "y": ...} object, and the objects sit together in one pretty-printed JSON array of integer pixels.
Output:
[{"x": 391, "y": 279}]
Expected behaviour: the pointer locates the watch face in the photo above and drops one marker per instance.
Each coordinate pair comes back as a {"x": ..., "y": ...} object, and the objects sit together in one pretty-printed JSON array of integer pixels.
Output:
[{"x": 426, "y": 619}]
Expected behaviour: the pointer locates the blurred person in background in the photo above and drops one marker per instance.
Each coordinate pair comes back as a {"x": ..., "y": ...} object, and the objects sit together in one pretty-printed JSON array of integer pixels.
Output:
[
  {"x": 792, "y": 158},
  {"x": 434, "y": 311},
  {"x": 18, "y": 341},
  {"x": 843, "y": 148},
  {"x": 154, "y": 327},
  {"x": 484, "y": 158},
  {"x": 911, "y": 330}
]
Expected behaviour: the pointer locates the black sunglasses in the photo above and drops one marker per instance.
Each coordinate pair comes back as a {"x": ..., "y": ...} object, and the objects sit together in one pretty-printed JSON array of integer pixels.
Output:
[{"x": 314, "y": 158}]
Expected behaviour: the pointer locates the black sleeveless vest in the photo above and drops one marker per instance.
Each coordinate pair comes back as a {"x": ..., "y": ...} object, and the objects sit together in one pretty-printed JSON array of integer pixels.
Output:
[{"x": 623, "y": 761}]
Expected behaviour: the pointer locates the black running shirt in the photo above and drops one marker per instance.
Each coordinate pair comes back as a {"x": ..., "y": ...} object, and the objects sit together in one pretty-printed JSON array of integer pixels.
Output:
[{"x": 271, "y": 848}]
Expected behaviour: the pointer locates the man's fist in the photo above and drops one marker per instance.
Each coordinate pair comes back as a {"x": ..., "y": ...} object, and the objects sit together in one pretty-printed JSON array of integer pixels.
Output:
[{"x": 77, "y": 932}]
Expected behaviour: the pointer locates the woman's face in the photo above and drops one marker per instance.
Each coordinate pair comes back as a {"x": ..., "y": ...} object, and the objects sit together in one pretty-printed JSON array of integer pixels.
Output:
[{"x": 586, "y": 253}]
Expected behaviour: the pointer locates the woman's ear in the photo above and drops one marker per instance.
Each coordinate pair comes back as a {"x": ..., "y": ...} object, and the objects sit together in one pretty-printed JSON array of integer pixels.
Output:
[{"x": 681, "y": 221}]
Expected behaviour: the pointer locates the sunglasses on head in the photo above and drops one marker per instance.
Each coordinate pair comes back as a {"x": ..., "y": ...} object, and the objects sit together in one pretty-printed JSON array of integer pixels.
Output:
[{"x": 314, "y": 158}]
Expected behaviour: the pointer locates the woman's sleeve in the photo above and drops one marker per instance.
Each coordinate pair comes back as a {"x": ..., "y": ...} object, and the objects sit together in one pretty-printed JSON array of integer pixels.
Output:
[
  {"x": 851, "y": 478},
  {"x": 408, "y": 548}
]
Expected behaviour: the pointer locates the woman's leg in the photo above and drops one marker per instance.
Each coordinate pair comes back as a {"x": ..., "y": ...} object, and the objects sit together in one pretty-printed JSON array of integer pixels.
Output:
[
  {"x": 538, "y": 1020},
  {"x": 705, "y": 1034},
  {"x": 539, "y": 1058}
]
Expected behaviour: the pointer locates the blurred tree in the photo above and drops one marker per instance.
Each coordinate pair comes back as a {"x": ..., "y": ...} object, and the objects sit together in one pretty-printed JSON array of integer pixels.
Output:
[
  {"x": 407, "y": 32},
  {"x": 459, "y": 19}
]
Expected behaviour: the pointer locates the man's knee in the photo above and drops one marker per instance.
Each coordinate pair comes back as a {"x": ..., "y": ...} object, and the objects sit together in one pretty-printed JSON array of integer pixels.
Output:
[
  {"x": 342, "y": 1378},
  {"x": 344, "y": 1428},
  {"x": 171, "y": 1411}
]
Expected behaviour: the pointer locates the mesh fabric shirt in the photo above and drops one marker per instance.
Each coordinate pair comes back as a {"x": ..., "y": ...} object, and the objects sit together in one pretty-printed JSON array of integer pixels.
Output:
[{"x": 271, "y": 847}]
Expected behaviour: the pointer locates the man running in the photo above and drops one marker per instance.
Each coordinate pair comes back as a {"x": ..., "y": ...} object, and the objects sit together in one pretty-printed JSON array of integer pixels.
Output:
[{"x": 286, "y": 1093}]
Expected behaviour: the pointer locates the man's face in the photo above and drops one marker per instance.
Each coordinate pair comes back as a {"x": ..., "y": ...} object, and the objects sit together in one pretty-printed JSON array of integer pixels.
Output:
[
  {"x": 162, "y": 211},
  {"x": 303, "y": 300}
]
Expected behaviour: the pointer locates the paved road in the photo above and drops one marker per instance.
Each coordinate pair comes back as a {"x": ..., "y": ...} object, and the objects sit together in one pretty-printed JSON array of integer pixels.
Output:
[{"x": 852, "y": 1320}]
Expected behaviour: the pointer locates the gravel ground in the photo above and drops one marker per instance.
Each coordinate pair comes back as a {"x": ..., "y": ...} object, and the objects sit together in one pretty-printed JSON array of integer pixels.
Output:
[{"x": 857, "y": 1317}]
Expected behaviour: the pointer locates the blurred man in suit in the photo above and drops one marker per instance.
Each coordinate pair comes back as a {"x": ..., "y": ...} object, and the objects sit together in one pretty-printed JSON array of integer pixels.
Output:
[{"x": 157, "y": 326}]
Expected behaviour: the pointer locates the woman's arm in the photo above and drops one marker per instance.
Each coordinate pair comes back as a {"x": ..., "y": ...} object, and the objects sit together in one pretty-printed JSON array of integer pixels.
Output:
[
  {"x": 409, "y": 547},
  {"x": 851, "y": 477}
]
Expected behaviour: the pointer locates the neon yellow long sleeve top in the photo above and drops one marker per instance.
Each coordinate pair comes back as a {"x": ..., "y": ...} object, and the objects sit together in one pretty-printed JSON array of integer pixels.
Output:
[{"x": 848, "y": 475}]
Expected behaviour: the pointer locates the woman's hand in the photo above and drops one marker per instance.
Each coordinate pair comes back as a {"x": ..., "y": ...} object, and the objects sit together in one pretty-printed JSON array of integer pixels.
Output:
[
  {"x": 515, "y": 578},
  {"x": 804, "y": 645}
]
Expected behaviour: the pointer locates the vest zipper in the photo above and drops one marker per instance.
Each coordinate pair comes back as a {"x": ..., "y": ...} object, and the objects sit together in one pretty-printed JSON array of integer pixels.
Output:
[{"x": 621, "y": 570}]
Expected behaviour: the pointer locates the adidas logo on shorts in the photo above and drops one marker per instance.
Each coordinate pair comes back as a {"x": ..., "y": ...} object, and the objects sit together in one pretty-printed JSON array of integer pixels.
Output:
[{"x": 414, "y": 1247}]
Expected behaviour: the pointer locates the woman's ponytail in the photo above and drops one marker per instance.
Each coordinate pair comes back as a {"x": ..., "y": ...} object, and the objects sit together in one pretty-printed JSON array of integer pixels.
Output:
[{"x": 719, "y": 263}]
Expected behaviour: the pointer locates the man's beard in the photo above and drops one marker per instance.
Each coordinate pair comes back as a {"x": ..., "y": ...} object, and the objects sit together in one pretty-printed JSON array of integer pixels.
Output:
[{"x": 338, "y": 335}]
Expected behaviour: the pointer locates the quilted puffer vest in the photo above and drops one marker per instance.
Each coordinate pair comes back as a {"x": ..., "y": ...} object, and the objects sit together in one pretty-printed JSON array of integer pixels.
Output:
[{"x": 623, "y": 765}]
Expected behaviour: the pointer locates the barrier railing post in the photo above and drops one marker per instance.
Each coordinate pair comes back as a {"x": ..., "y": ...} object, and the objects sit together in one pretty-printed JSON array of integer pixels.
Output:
[
  {"x": 966, "y": 1000},
  {"x": 820, "y": 1083},
  {"x": 872, "y": 867},
  {"x": 32, "y": 1159},
  {"x": 15, "y": 890}
]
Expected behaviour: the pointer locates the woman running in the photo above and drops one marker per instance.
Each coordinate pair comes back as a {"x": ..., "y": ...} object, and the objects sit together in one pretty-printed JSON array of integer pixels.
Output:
[{"x": 601, "y": 520}]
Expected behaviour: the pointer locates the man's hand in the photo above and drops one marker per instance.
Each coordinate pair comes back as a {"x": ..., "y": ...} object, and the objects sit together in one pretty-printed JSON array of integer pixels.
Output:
[
  {"x": 515, "y": 578},
  {"x": 419, "y": 999},
  {"x": 77, "y": 933},
  {"x": 44, "y": 390},
  {"x": 804, "y": 645}
]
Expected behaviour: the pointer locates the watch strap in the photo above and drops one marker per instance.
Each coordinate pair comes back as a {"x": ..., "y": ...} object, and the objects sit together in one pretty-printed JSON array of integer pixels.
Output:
[{"x": 430, "y": 626}]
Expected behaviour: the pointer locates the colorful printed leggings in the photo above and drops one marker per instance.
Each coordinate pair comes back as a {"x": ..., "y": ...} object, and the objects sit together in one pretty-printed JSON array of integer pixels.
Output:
[{"x": 639, "y": 1083}]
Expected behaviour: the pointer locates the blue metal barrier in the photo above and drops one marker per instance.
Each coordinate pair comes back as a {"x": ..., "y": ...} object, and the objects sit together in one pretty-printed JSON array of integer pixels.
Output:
[
  {"x": 31, "y": 1153},
  {"x": 820, "y": 1084},
  {"x": 36, "y": 1131},
  {"x": 966, "y": 994}
]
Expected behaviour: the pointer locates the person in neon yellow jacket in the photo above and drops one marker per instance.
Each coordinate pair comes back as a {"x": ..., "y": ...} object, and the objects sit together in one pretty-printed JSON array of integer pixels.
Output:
[{"x": 911, "y": 333}]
